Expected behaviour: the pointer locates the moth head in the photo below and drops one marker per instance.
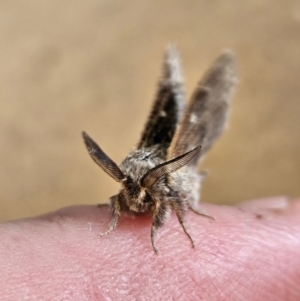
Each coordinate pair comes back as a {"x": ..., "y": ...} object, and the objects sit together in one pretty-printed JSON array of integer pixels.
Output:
[{"x": 138, "y": 195}]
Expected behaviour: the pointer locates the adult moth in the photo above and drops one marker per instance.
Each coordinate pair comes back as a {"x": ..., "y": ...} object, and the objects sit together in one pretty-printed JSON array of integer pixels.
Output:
[{"x": 161, "y": 174}]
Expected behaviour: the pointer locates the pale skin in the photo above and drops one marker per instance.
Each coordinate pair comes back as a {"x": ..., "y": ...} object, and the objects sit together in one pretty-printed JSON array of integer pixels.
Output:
[{"x": 249, "y": 252}]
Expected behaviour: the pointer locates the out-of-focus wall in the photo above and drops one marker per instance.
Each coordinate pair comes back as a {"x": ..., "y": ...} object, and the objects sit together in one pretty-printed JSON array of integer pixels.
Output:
[{"x": 68, "y": 66}]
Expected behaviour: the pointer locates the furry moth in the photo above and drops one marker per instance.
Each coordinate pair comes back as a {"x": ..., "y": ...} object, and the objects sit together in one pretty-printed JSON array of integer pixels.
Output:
[{"x": 160, "y": 174}]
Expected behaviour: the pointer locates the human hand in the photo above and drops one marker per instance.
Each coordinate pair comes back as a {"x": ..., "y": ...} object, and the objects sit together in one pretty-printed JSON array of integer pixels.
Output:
[{"x": 250, "y": 252}]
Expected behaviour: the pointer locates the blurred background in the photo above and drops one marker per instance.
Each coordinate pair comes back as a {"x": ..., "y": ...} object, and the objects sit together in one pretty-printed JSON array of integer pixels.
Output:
[{"x": 68, "y": 66}]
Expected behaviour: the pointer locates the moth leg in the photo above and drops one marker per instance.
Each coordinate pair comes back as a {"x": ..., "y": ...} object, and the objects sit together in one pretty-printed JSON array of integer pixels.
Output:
[
  {"x": 158, "y": 218},
  {"x": 179, "y": 213},
  {"x": 198, "y": 211},
  {"x": 116, "y": 212},
  {"x": 153, "y": 234}
]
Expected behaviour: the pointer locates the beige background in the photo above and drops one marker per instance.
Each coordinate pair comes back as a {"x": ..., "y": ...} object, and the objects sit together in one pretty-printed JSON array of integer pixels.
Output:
[{"x": 93, "y": 65}]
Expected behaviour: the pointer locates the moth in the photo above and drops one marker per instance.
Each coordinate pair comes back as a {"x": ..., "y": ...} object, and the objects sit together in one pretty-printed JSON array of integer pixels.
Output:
[{"x": 160, "y": 174}]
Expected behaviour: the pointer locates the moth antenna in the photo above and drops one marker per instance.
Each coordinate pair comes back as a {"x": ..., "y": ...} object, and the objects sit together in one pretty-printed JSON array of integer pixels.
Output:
[
  {"x": 155, "y": 173},
  {"x": 97, "y": 154}
]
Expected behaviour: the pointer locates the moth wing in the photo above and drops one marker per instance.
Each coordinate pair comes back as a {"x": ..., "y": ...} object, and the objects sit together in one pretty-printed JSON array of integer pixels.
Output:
[
  {"x": 205, "y": 117},
  {"x": 168, "y": 105}
]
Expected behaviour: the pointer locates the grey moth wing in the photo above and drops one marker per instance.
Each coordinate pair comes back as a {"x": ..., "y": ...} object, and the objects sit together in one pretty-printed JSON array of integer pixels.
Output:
[
  {"x": 206, "y": 114},
  {"x": 167, "y": 107}
]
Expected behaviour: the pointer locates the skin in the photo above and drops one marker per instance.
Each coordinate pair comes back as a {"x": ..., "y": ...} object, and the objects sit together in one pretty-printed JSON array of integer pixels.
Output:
[{"x": 250, "y": 252}]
